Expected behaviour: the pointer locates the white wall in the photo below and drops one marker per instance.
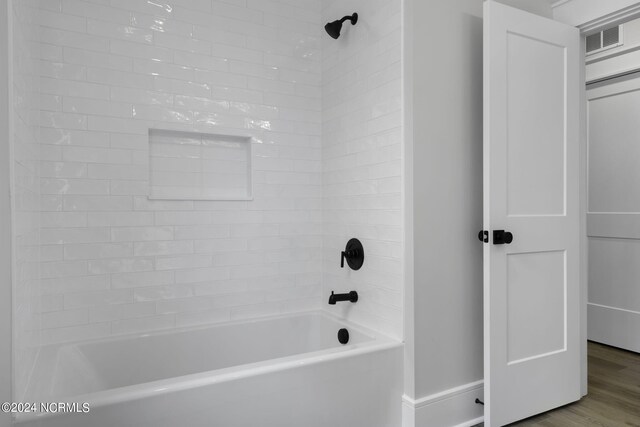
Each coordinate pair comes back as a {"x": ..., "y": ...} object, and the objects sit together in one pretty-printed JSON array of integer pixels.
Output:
[
  {"x": 5, "y": 215},
  {"x": 361, "y": 154},
  {"x": 115, "y": 262},
  {"x": 612, "y": 218},
  {"x": 444, "y": 326},
  {"x": 447, "y": 179},
  {"x": 26, "y": 191}
]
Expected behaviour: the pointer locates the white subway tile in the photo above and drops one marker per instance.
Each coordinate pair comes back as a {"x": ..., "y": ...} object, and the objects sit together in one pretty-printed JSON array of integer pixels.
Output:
[
  {"x": 219, "y": 245},
  {"x": 66, "y": 137},
  {"x": 144, "y": 324},
  {"x": 96, "y": 107},
  {"x": 73, "y": 39},
  {"x": 121, "y": 311},
  {"x": 51, "y": 253},
  {"x": 177, "y": 43},
  {"x": 73, "y": 88},
  {"x": 157, "y": 293},
  {"x": 51, "y": 303},
  {"x": 50, "y": 102},
  {"x": 237, "y": 299},
  {"x": 160, "y": 24},
  {"x": 201, "y": 275},
  {"x": 129, "y": 188},
  {"x": 137, "y": 50},
  {"x": 152, "y": 248},
  {"x": 97, "y": 250},
  {"x": 115, "y": 124},
  {"x": 201, "y": 232},
  {"x": 145, "y": 204},
  {"x": 62, "y": 21},
  {"x": 98, "y": 203},
  {"x": 162, "y": 114},
  {"x": 246, "y": 271},
  {"x": 141, "y": 279},
  {"x": 239, "y": 258},
  {"x": 60, "y": 236},
  {"x": 175, "y": 86},
  {"x": 75, "y": 284},
  {"x": 183, "y": 262},
  {"x": 61, "y": 319},
  {"x": 61, "y": 70},
  {"x": 122, "y": 172},
  {"x": 95, "y": 10},
  {"x": 254, "y": 230},
  {"x": 117, "y": 31},
  {"x": 140, "y": 96},
  {"x": 96, "y": 59},
  {"x": 120, "y": 219},
  {"x": 63, "y": 269},
  {"x": 237, "y": 94},
  {"x": 95, "y": 155},
  {"x": 182, "y": 218},
  {"x": 63, "y": 170},
  {"x": 201, "y": 62},
  {"x": 240, "y": 13},
  {"x": 156, "y": 68},
  {"x": 73, "y": 186},
  {"x": 63, "y": 219},
  {"x": 56, "y": 119},
  {"x": 127, "y": 265},
  {"x": 119, "y": 78},
  {"x": 133, "y": 234},
  {"x": 183, "y": 305}
]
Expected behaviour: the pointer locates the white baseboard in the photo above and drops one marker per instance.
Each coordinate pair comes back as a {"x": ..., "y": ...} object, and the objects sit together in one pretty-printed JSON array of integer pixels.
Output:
[
  {"x": 455, "y": 407},
  {"x": 614, "y": 326}
]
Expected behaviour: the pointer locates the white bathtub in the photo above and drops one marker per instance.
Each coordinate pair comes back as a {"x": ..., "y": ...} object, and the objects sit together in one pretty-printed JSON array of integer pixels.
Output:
[{"x": 278, "y": 371}]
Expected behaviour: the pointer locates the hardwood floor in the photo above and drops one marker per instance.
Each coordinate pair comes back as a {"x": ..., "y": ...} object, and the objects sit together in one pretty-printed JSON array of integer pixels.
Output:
[{"x": 614, "y": 394}]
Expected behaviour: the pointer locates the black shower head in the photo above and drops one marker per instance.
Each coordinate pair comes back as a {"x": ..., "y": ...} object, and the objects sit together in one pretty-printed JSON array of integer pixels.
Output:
[{"x": 333, "y": 28}]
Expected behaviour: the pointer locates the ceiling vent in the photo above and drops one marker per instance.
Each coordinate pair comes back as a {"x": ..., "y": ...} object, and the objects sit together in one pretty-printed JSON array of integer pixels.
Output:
[{"x": 606, "y": 39}]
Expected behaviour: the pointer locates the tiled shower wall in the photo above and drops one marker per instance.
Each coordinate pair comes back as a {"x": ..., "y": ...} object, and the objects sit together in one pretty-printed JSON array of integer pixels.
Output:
[
  {"x": 114, "y": 261},
  {"x": 26, "y": 196},
  {"x": 362, "y": 172}
]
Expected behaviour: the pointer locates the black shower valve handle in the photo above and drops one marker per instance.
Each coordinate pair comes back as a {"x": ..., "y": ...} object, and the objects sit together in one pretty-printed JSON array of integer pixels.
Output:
[{"x": 347, "y": 255}]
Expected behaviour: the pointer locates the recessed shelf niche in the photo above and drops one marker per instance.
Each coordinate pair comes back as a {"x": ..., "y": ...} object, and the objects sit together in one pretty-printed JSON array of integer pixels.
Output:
[{"x": 199, "y": 166}]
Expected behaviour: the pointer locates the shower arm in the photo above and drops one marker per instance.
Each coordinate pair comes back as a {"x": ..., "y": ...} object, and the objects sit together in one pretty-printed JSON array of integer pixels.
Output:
[{"x": 348, "y": 17}]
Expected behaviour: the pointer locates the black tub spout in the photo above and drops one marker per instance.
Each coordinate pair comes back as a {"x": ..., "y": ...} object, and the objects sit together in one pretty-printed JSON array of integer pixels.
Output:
[{"x": 351, "y": 296}]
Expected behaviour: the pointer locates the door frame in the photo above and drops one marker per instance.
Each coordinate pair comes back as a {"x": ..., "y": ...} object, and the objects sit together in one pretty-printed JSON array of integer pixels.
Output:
[{"x": 609, "y": 18}]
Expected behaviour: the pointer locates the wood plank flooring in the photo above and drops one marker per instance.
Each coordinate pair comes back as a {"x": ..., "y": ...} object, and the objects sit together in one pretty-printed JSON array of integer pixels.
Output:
[{"x": 614, "y": 394}]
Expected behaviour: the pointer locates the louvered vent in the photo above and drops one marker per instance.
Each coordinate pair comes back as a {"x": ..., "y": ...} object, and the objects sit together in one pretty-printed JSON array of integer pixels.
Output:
[
  {"x": 607, "y": 39},
  {"x": 594, "y": 42},
  {"x": 611, "y": 37}
]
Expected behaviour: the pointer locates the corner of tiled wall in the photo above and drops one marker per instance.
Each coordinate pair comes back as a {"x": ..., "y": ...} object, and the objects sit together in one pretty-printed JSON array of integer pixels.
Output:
[
  {"x": 362, "y": 171},
  {"x": 25, "y": 192}
]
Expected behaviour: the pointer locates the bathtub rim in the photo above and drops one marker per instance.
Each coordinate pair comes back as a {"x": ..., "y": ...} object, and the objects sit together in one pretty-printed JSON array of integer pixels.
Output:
[{"x": 377, "y": 342}]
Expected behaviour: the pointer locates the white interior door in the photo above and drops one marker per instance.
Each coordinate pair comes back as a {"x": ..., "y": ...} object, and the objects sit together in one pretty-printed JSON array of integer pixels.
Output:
[
  {"x": 613, "y": 215},
  {"x": 531, "y": 190}
]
